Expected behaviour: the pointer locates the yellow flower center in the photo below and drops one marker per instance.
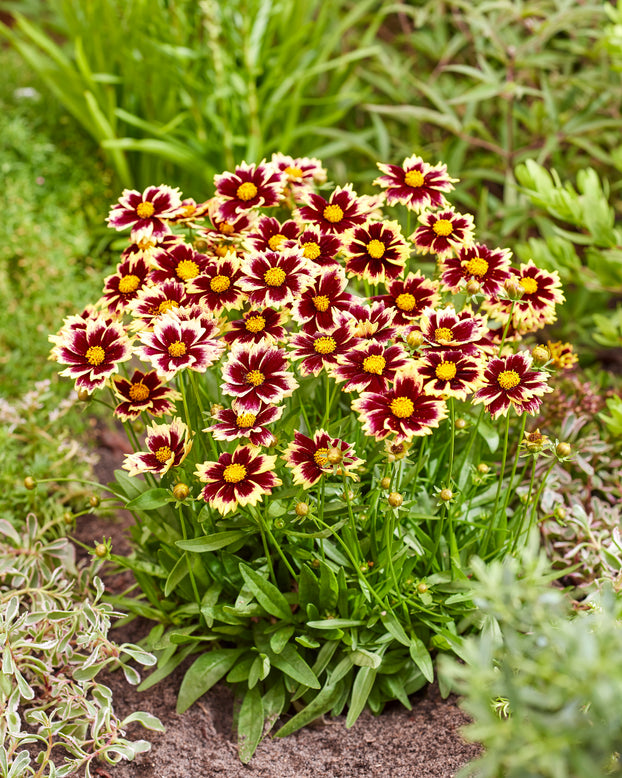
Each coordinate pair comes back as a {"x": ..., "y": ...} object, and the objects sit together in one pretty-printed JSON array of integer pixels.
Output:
[
  {"x": 145, "y": 210},
  {"x": 274, "y": 276},
  {"x": 220, "y": 284},
  {"x": 443, "y": 334},
  {"x": 374, "y": 364},
  {"x": 375, "y": 248},
  {"x": 128, "y": 284},
  {"x": 402, "y": 407},
  {"x": 222, "y": 250},
  {"x": 246, "y": 191},
  {"x": 321, "y": 457},
  {"x": 321, "y": 302},
  {"x": 225, "y": 228},
  {"x": 276, "y": 240},
  {"x": 144, "y": 244},
  {"x": 255, "y": 323},
  {"x": 508, "y": 379},
  {"x": 293, "y": 172},
  {"x": 443, "y": 227},
  {"x": 325, "y": 345},
  {"x": 530, "y": 285},
  {"x": 255, "y": 377},
  {"x": 187, "y": 269},
  {"x": 476, "y": 267},
  {"x": 446, "y": 371},
  {"x": 414, "y": 178},
  {"x": 177, "y": 349},
  {"x": 95, "y": 355},
  {"x": 333, "y": 213},
  {"x": 234, "y": 473},
  {"x": 405, "y": 301},
  {"x": 138, "y": 392},
  {"x": 163, "y": 454},
  {"x": 246, "y": 420},
  {"x": 311, "y": 250},
  {"x": 166, "y": 305}
]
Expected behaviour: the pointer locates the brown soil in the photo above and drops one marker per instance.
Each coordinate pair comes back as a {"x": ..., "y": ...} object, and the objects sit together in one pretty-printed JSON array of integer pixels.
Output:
[{"x": 422, "y": 743}]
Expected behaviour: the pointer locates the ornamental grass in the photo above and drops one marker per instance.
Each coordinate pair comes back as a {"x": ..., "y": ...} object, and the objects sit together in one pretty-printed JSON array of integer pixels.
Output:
[{"x": 328, "y": 397}]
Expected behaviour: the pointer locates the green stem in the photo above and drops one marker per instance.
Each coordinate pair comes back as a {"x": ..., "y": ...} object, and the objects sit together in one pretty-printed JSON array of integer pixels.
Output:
[
  {"x": 190, "y": 570},
  {"x": 524, "y": 511},
  {"x": 493, "y": 518}
]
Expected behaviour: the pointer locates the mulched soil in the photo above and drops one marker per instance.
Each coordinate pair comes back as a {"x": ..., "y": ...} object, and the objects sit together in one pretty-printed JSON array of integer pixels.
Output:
[{"x": 422, "y": 743}]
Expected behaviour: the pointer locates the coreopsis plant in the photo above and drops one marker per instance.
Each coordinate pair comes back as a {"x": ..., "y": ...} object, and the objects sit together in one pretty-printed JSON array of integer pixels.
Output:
[{"x": 314, "y": 392}]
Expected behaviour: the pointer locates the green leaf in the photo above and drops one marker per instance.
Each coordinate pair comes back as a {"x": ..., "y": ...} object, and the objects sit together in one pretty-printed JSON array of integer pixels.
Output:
[
  {"x": 259, "y": 670},
  {"x": 211, "y": 542},
  {"x": 292, "y": 664},
  {"x": 280, "y": 638},
  {"x": 395, "y": 628},
  {"x": 335, "y": 623},
  {"x": 321, "y": 703},
  {"x": 361, "y": 688},
  {"x": 250, "y": 724},
  {"x": 266, "y": 594},
  {"x": 421, "y": 657},
  {"x": 177, "y": 574},
  {"x": 489, "y": 433},
  {"x": 146, "y": 719},
  {"x": 151, "y": 499},
  {"x": 308, "y": 588},
  {"x": 329, "y": 590},
  {"x": 203, "y": 673}
]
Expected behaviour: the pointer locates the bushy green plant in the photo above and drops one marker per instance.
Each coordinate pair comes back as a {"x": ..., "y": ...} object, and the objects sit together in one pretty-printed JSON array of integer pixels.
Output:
[
  {"x": 57, "y": 716},
  {"x": 542, "y": 681},
  {"x": 312, "y": 539}
]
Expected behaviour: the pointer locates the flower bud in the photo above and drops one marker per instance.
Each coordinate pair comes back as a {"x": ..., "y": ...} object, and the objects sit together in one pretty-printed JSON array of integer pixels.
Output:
[
  {"x": 563, "y": 449},
  {"x": 181, "y": 491},
  {"x": 302, "y": 509},
  {"x": 446, "y": 495},
  {"x": 473, "y": 286},
  {"x": 385, "y": 483},
  {"x": 535, "y": 441},
  {"x": 422, "y": 587},
  {"x": 415, "y": 339},
  {"x": 483, "y": 468},
  {"x": 460, "y": 424},
  {"x": 334, "y": 455},
  {"x": 200, "y": 244},
  {"x": 84, "y": 395},
  {"x": 215, "y": 408},
  {"x": 395, "y": 499},
  {"x": 68, "y": 517},
  {"x": 513, "y": 289},
  {"x": 29, "y": 482},
  {"x": 101, "y": 550},
  {"x": 279, "y": 523},
  {"x": 315, "y": 563},
  {"x": 541, "y": 355},
  {"x": 559, "y": 512},
  {"x": 94, "y": 501}
]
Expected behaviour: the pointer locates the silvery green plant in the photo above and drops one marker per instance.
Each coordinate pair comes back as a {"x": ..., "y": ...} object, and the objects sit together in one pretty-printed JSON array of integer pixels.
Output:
[{"x": 54, "y": 633}]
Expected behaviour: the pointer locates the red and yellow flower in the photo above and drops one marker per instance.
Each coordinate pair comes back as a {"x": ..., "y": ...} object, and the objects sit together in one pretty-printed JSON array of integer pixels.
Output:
[
  {"x": 276, "y": 277},
  {"x": 371, "y": 367},
  {"x": 319, "y": 247},
  {"x": 319, "y": 350},
  {"x": 147, "y": 213},
  {"x": 308, "y": 458},
  {"x": 512, "y": 382},
  {"x": 256, "y": 374},
  {"x": 179, "y": 262},
  {"x": 302, "y": 173},
  {"x": 373, "y": 322},
  {"x": 256, "y": 325},
  {"x": 450, "y": 373},
  {"x": 342, "y": 211},
  {"x": 167, "y": 447},
  {"x": 409, "y": 297},
  {"x": 234, "y": 423},
  {"x": 124, "y": 285},
  {"x": 238, "y": 479},
  {"x": 143, "y": 392},
  {"x": 490, "y": 268},
  {"x": 218, "y": 286},
  {"x": 442, "y": 232},
  {"x": 320, "y": 306},
  {"x": 271, "y": 235},
  {"x": 376, "y": 251},
  {"x": 249, "y": 186},
  {"x": 446, "y": 329},
  {"x": 403, "y": 410},
  {"x": 415, "y": 184},
  {"x": 152, "y": 302}
]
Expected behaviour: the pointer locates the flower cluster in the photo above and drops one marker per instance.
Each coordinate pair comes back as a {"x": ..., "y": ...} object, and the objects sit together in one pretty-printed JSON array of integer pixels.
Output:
[{"x": 289, "y": 281}]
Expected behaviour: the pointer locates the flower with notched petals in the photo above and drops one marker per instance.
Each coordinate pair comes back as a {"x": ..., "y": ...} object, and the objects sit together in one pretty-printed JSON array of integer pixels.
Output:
[
  {"x": 218, "y": 285},
  {"x": 318, "y": 350},
  {"x": 342, "y": 211},
  {"x": 375, "y": 322},
  {"x": 234, "y": 423},
  {"x": 179, "y": 262},
  {"x": 319, "y": 247},
  {"x": 376, "y": 251},
  {"x": 308, "y": 458},
  {"x": 403, "y": 410},
  {"x": 92, "y": 348},
  {"x": 276, "y": 277},
  {"x": 175, "y": 344},
  {"x": 256, "y": 325},
  {"x": 489, "y": 267},
  {"x": 256, "y": 374},
  {"x": 511, "y": 381},
  {"x": 272, "y": 235},
  {"x": 449, "y": 373},
  {"x": 143, "y": 392},
  {"x": 302, "y": 173},
  {"x": 241, "y": 478},
  {"x": 443, "y": 232},
  {"x": 446, "y": 329},
  {"x": 226, "y": 234},
  {"x": 189, "y": 210},
  {"x": 320, "y": 306},
  {"x": 415, "y": 184},
  {"x": 409, "y": 297},
  {"x": 145, "y": 213},
  {"x": 249, "y": 186},
  {"x": 168, "y": 445},
  {"x": 153, "y": 302},
  {"x": 124, "y": 285},
  {"x": 370, "y": 368}
]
